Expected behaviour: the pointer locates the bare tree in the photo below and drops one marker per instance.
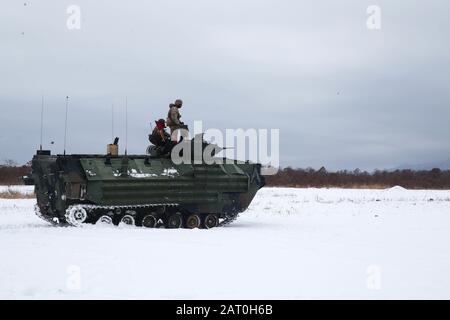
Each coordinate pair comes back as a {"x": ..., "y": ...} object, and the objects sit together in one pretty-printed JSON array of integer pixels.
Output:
[{"x": 10, "y": 163}]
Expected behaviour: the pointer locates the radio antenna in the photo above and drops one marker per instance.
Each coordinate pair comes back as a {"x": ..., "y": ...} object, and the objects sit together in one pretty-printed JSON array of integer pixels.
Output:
[
  {"x": 112, "y": 122},
  {"x": 42, "y": 121},
  {"x": 65, "y": 126},
  {"x": 126, "y": 125}
]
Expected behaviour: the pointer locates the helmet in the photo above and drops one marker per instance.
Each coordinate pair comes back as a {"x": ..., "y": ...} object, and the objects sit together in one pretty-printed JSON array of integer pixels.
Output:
[{"x": 178, "y": 103}]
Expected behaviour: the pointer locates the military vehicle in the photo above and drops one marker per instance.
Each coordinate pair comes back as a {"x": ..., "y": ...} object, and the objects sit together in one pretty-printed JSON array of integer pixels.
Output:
[{"x": 143, "y": 190}]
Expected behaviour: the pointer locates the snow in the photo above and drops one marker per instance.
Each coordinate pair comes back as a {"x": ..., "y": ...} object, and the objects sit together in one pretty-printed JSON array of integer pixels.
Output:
[
  {"x": 22, "y": 189},
  {"x": 140, "y": 175},
  {"x": 135, "y": 174},
  {"x": 291, "y": 244},
  {"x": 170, "y": 172},
  {"x": 90, "y": 173}
]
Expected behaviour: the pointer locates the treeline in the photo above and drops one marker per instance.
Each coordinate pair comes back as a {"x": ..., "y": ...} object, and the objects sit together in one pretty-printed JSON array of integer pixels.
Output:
[
  {"x": 304, "y": 178},
  {"x": 409, "y": 179},
  {"x": 10, "y": 175}
]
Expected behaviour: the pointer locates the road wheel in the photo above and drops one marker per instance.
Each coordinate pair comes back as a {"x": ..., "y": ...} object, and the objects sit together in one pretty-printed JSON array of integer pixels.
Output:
[
  {"x": 76, "y": 216},
  {"x": 193, "y": 221},
  {"x": 175, "y": 221},
  {"x": 149, "y": 221},
  {"x": 211, "y": 221},
  {"x": 105, "y": 220},
  {"x": 128, "y": 220}
]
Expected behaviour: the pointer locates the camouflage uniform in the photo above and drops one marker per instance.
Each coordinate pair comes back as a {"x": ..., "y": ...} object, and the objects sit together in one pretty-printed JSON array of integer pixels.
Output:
[{"x": 173, "y": 116}]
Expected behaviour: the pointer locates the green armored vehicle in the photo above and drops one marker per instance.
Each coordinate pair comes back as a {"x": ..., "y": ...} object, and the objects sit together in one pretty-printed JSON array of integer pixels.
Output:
[{"x": 142, "y": 190}]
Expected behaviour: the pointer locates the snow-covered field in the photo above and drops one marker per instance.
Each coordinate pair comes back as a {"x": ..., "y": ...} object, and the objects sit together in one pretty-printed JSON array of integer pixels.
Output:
[
  {"x": 290, "y": 244},
  {"x": 21, "y": 189}
]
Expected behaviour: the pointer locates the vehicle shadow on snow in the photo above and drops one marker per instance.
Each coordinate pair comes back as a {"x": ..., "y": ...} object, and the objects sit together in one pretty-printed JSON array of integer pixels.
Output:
[
  {"x": 26, "y": 226},
  {"x": 247, "y": 225}
]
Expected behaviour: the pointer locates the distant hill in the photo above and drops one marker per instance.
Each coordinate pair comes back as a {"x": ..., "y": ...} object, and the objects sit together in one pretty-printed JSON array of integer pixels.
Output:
[{"x": 445, "y": 165}]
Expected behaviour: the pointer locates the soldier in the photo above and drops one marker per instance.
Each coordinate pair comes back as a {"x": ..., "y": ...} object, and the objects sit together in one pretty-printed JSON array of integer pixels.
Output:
[
  {"x": 173, "y": 116},
  {"x": 159, "y": 137}
]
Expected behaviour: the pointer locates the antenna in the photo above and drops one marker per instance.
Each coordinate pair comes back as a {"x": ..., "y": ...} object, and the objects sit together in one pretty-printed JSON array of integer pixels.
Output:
[
  {"x": 126, "y": 125},
  {"x": 112, "y": 122},
  {"x": 65, "y": 126},
  {"x": 42, "y": 121}
]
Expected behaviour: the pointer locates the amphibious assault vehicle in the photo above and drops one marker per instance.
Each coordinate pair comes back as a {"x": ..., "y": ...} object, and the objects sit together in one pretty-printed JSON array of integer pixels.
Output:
[{"x": 142, "y": 190}]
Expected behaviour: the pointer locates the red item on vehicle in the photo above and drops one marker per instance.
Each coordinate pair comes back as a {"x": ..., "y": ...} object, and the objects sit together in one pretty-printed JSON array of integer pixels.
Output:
[{"x": 160, "y": 125}]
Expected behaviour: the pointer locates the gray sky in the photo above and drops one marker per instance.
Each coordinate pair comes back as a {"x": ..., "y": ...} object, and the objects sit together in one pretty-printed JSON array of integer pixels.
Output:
[{"x": 343, "y": 96}]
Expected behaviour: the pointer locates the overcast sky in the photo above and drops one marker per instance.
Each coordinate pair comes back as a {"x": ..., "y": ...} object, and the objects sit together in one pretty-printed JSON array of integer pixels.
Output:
[{"x": 343, "y": 96}]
